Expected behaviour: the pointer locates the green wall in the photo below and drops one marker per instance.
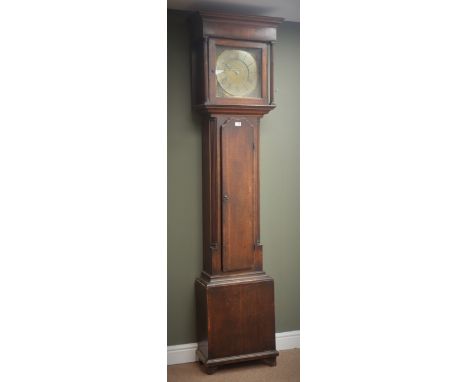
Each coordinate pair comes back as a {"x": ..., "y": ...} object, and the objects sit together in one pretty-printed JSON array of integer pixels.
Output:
[{"x": 279, "y": 184}]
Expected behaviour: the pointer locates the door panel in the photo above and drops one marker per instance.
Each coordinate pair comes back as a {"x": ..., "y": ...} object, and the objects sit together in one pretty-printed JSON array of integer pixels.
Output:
[
  {"x": 242, "y": 319},
  {"x": 237, "y": 157}
]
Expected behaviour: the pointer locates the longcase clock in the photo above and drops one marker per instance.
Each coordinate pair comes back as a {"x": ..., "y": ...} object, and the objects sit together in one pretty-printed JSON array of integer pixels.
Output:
[{"x": 232, "y": 86}]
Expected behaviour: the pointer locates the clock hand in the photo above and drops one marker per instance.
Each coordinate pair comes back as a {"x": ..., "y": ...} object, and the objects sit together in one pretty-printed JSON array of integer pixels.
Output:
[
  {"x": 237, "y": 71},
  {"x": 218, "y": 71}
]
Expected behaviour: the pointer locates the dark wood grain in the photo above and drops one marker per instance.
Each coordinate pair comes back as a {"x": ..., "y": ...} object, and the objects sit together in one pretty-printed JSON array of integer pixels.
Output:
[
  {"x": 238, "y": 194},
  {"x": 242, "y": 319},
  {"x": 211, "y": 173},
  {"x": 231, "y": 213},
  {"x": 272, "y": 71},
  {"x": 235, "y": 320},
  {"x": 234, "y": 296},
  {"x": 234, "y": 26},
  {"x": 259, "y": 110},
  {"x": 258, "y": 259}
]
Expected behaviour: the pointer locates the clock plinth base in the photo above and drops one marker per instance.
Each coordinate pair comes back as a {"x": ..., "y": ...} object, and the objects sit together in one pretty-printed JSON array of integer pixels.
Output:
[
  {"x": 235, "y": 321},
  {"x": 211, "y": 365}
]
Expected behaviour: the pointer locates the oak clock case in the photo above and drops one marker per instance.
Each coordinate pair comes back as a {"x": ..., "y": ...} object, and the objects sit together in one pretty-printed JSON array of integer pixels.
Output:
[{"x": 232, "y": 82}]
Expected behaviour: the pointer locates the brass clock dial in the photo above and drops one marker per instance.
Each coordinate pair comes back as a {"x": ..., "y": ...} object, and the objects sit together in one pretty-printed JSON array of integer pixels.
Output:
[{"x": 236, "y": 72}]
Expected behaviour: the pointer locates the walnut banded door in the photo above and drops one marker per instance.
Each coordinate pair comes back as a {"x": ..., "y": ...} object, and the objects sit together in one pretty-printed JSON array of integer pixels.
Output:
[{"x": 238, "y": 193}]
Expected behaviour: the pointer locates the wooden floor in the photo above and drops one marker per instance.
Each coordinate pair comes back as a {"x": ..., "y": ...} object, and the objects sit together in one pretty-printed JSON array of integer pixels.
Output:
[{"x": 286, "y": 370}]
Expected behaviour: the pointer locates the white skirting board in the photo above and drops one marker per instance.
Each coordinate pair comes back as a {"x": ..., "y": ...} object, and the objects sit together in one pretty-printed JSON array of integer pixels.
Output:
[{"x": 186, "y": 352}]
